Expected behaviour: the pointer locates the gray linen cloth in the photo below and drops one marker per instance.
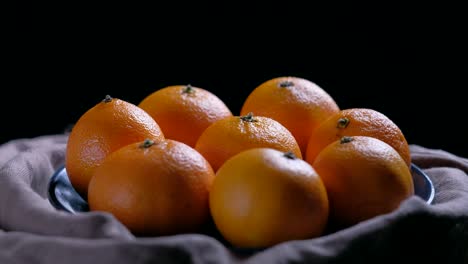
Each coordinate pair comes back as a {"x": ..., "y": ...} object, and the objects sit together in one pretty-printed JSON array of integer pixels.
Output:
[{"x": 33, "y": 231}]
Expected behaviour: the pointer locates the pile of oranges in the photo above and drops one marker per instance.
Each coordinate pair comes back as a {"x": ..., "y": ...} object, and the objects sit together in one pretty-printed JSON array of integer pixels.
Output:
[{"x": 288, "y": 166}]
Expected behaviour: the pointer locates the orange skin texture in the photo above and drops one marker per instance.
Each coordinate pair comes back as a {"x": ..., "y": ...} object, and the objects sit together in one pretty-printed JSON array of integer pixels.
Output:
[
  {"x": 260, "y": 198},
  {"x": 300, "y": 107},
  {"x": 229, "y": 136},
  {"x": 101, "y": 130},
  {"x": 159, "y": 190},
  {"x": 183, "y": 115},
  {"x": 364, "y": 178},
  {"x": 362, "y": 122}
]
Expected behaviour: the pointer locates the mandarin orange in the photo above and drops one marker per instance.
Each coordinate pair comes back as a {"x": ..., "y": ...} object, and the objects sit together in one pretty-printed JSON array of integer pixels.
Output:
[
  {"x": 297, "y": 103},
  {"x": 364, "y": 177},
  {"x": 357, "y": 122},
  {"x": 229, "y": 136},
  {"x": 104, "y": 128},
  {"x": 154, "y": 188},
  {"x": 262, "y": 196},
  {"x": 184, "y": 111}
]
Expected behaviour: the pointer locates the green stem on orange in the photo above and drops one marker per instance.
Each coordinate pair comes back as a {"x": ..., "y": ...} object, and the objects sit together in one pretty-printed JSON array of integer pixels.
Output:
[
  {"x": 346, "y": 139},
  {"x": 107, "y": 99},
  {"x": 289, "y": 155},
  {"x": 147, "y": 143},
  {"x": 248, "y": 118},
  {"x": 285, "y": 84},
  {"x": 188, "y": 89},
  {"x": 342, "y": 122}
]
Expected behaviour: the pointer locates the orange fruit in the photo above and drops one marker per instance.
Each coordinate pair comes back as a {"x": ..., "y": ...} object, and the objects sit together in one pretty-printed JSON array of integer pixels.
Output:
[
  {"x": 297, "y": 103},
  {"x": 262, "y": 196},
  {"x": 358, "y": 122},
  {"x": 227, "y": 137},
  {"x": 104, "y": 128},
  {"x": 364, "y": 177},
  {"x": 184, "y": 111},
  {"x": 154, "y": 188}
]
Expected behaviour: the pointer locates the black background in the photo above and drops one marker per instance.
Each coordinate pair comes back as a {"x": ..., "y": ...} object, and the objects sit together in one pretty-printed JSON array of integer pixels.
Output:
[{"x": 407, "y": 62}]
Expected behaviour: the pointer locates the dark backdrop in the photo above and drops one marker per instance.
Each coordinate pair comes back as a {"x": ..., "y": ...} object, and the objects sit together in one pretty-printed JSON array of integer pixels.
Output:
[{"x": 404, "y": 61}]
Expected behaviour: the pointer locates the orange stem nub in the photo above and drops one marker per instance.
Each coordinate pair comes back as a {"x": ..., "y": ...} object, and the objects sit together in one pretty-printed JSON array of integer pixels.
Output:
[
  {"x": 346, "y": 139},
  {"x": 147, "y": 143},
  {"x": 248, "y": 118},
  {"x": 285, "y": 84},
  {"x": 342, "y": 122},
  {"x": 188, "y": 89},
  {"x": 289, "y": 155},
  {"x": 107, "y": 99}
]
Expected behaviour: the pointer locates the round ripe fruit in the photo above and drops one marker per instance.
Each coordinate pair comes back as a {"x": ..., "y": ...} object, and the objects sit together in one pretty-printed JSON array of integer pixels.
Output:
[
  {"x": 154, "y": 188},
  {"x": 357, "y": 122},
  {"x": 298, "y": 104},
  {"x": 262, "y": 196},
  {"x": 364, "y": 177},
  {"x": 104, "y": 128},
  {"x": 183, "y": 111},
  {"x": 231, "y": 135}
]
